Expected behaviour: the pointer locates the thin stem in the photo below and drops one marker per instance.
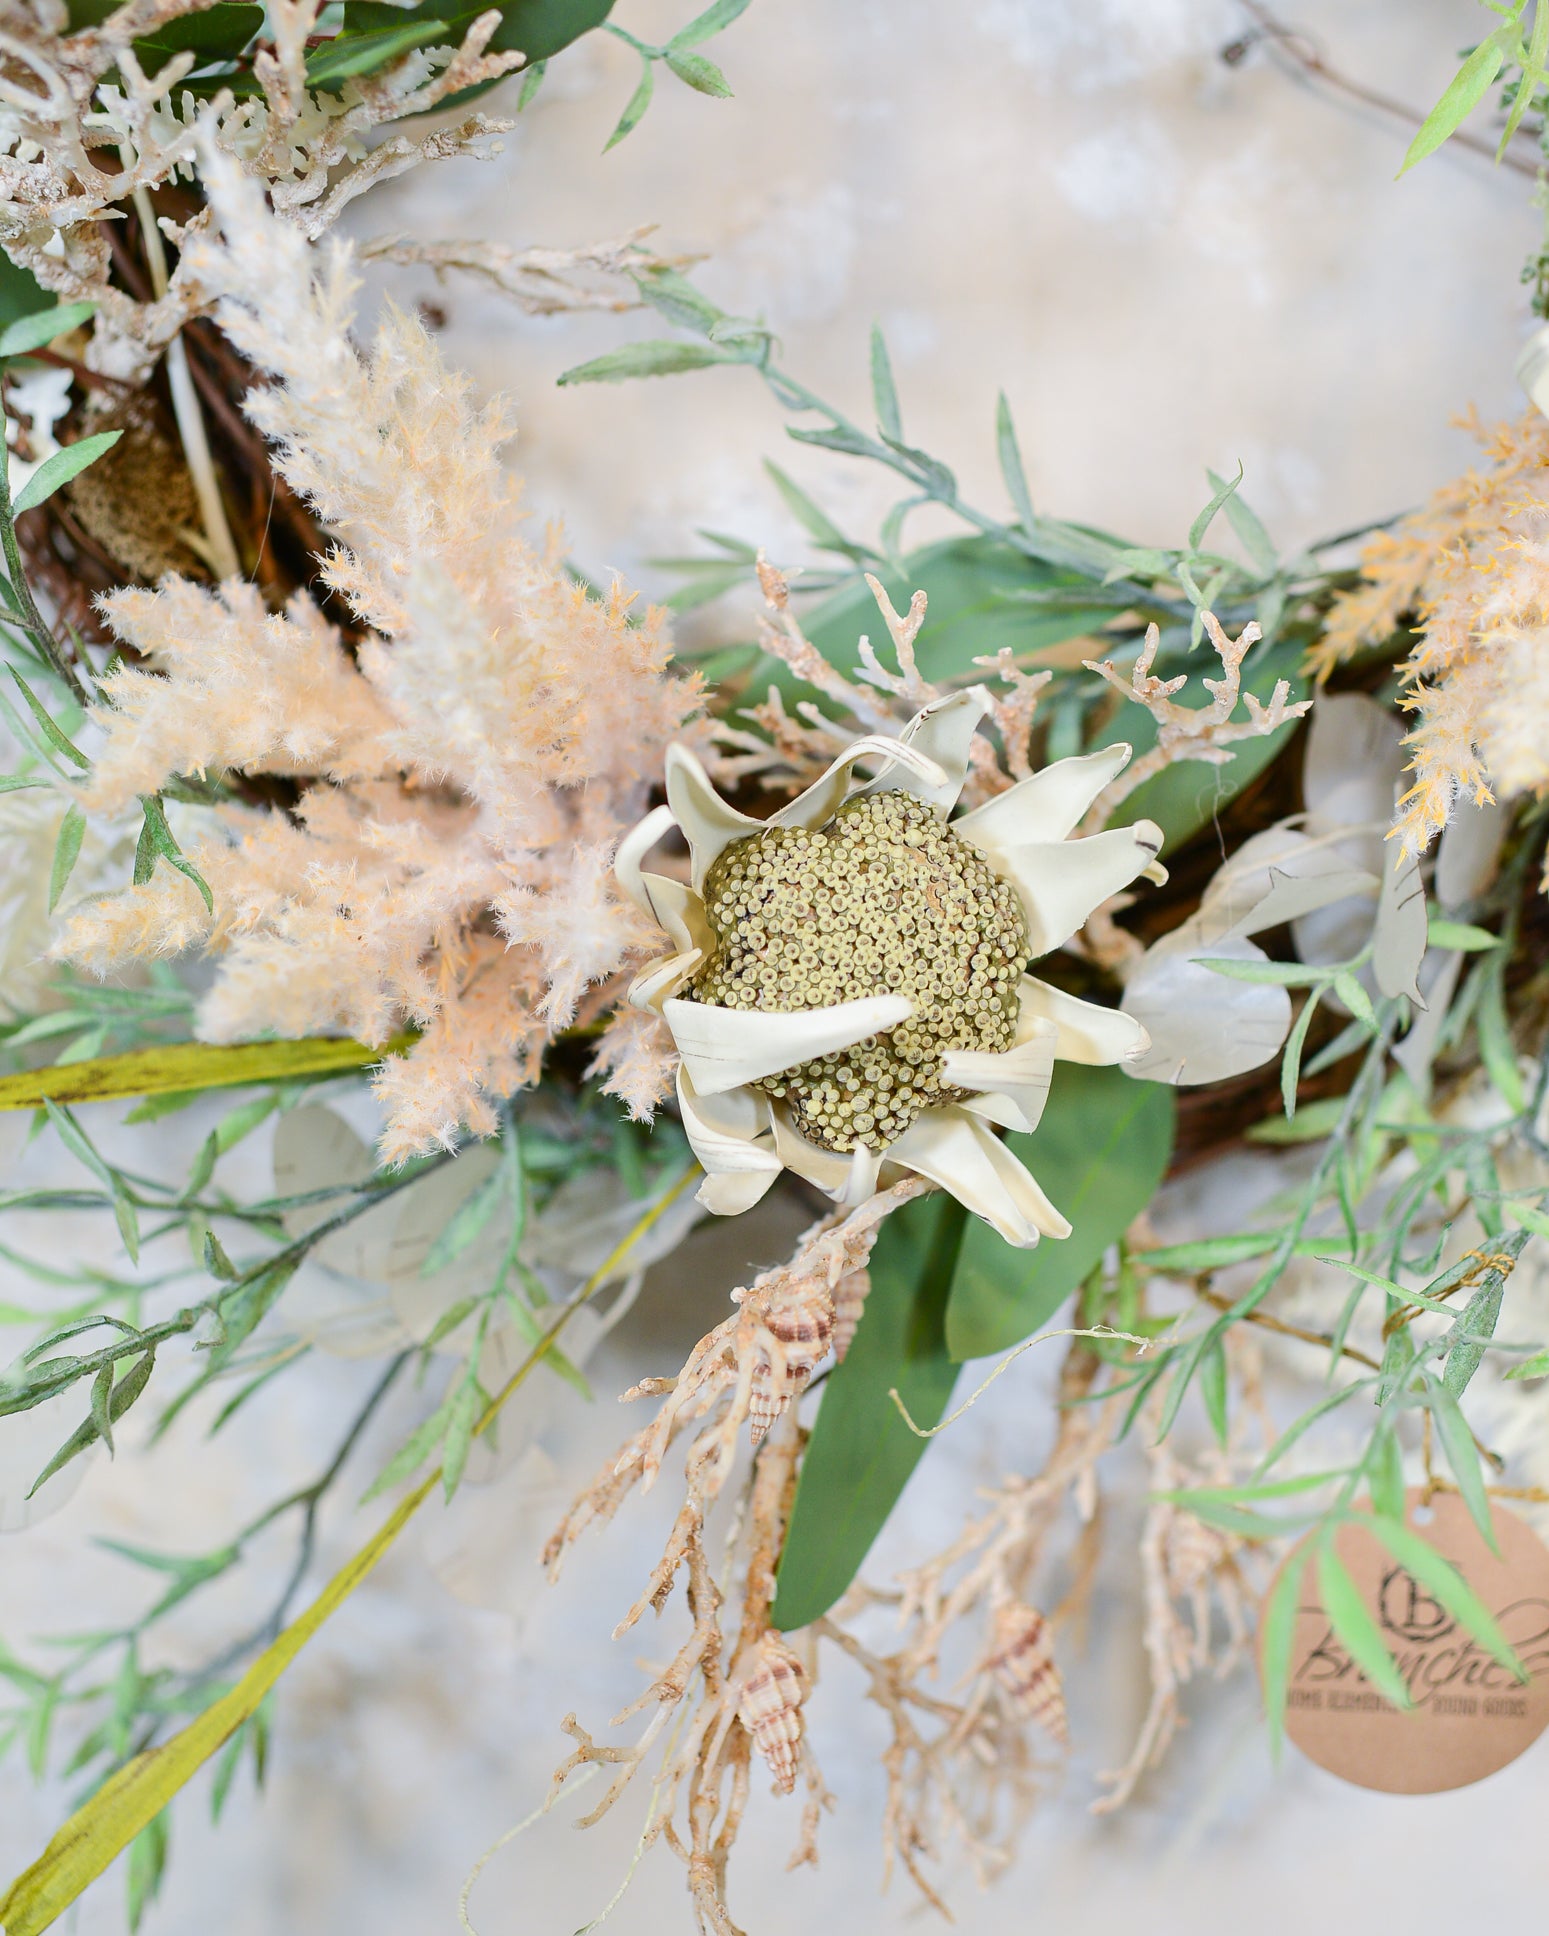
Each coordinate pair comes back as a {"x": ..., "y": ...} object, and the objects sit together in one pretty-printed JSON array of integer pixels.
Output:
[{"x": 17, "y": 573}]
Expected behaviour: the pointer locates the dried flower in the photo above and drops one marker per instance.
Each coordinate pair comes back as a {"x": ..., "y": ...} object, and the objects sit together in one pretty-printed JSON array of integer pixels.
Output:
[{"x": 846, "y": 990}]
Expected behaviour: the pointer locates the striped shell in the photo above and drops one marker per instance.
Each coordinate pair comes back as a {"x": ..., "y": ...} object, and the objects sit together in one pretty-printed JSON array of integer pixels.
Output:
[
  {"x": 1022, "y": 1661},
  {"x": 1194, "y": 1551},
  {"x": 803, "y": 1327},
  {"x": 850, "y": 1295},
  {"x": 770, "y": 1708}
]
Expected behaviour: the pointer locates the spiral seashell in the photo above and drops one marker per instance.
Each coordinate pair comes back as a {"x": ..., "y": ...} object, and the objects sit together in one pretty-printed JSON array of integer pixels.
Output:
[
  {"x": 850, "y": 1295},
  {"x": 802, "y": 1325},
  {"x": 1194, "y": 1551},
  {"x": 1021, "y": 1659},
  {"x": 769, "y": 1707}
]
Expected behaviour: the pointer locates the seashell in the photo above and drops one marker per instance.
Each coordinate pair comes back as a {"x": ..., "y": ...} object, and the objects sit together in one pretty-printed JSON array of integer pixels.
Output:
[
  {"x": 802, "y": 1325},
  {"x": 1022, "y": 1661},
  {"x": 850, "y": 1295},
  {"x": 1194, "y": 1552},
  {"x": 769, "y": 1707}
]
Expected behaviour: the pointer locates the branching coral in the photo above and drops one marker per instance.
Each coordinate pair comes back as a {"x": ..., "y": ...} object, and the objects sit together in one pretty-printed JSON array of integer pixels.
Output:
[
  {"x": 1473, "y": 566},
  {"x": 464, "y": 777},
  {"x": 59, "y": 113}
]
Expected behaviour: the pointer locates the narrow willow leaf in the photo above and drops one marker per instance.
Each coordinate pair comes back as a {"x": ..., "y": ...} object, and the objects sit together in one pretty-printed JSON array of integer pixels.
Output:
[
  {"x": 157, "y": 842},
  {"x": 1243, "y": 1495},
  {"x": 1460, "y": 935},
  {"x": 1535, "y": 1367},
  {"x": 884, "y": 392},
  {"x": 672, "y": 295},
  {"x": 714, "y": 20},
  {"x": 1441, "y": 1578},
  {"x": 628, "y": 121},
  {"x": 1212, "y": 1389},
  {"x": 465, "y": 1224},
  {"x": 1457, "y": 1442},
  {"x": 1243, "y": 1521},
  {"x": 67, "y": 851},
  {"x": 466, "y": 1407},
  {"x": 1356, "y": 999},
  {"x": 453, "y": 1316},
  {"x": 43, "y": 326},
  {"x": 861, "y": 1453},
  {"x": 49, "y": 727},
  {"x": 225, "y": 1771},
  {"x": 1310, "y": 1124},
  {"x": 1277, "y": 1633},
  {"x": 1496, "y": 1048},
  {"x": 1358, "y": 1631},
  {"x": 532, "y": 80},
  {"x": 216, "y": 1262},
  {"x": 810, "y": 515},
  {"x": 661, "y": 357},
  {"x": 204, "y": 1166},
  {"x": 1207, "y": 517},
  {"x": 349, "y": 54},
  {"x": 1280, "y": 974},
  {"x": 699, "y": 73},
  {"x": 76, "y": 1141},
  {"x": 101, "y": 1417},
  {"x": 248, "y": 1303},
  {"x": 1464, "y": 92},
  {"x": 414, "y": 1451},
  {"x": 1251, "y": 535},
  {"x": 127, "y": 1218},
  {"x": 20, "y": 783},
  {"x": 1291, "y": 1061},
  {"x": 1013, "y": 476},
  {"x": 124, "y": 1394},
  {"x": 1385, "y": 1473},
  {"x": 61, "y": 467},
  {"x": 1532, "y": 75},
  {"x": 1475, "y": 1327}
]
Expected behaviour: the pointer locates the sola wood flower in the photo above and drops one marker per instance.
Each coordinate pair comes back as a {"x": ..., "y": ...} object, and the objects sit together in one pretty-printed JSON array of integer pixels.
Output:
[{"x": 847, "y": 990}]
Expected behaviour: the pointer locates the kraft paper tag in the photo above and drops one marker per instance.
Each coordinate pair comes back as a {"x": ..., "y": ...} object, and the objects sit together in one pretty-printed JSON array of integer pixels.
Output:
[{"x": 1471, "y": 1716}]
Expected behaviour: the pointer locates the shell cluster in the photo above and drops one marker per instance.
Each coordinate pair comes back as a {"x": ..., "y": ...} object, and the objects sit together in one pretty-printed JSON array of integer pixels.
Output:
[
  {"x": 885, "y": 899},
  {"x": 800, "y": 1325},
  {"x": 769, "y": 1707},
  {"x": 1021, "y": 1660}
]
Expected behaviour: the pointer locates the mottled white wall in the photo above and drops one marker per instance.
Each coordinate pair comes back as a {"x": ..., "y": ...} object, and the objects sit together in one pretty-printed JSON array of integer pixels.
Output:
[{"x": 1166, "y": 263}]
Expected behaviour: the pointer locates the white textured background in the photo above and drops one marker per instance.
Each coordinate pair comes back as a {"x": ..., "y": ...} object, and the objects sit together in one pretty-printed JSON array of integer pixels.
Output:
[{"x": 1166, "y": 263}]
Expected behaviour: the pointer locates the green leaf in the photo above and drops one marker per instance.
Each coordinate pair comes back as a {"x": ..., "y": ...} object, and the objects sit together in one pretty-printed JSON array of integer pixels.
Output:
[
  {"x": 61, "y": 467},
  {"x": 101, "y": 1393},
  {"x": 1276, "y": 974},
  {"x": 1309, "y": 1125},
  {"x": 861, "y": 1453},
  {"x": 466, "y": 1406},
  {"x": 77, "y": 1142},
  {"x": 810, "y": 515},
  {"x": 217, "y": 35},
  {"x": 1420, "y": 1559},
  {"x": 124, "y": 1394},
  {"x": 532, "y": 80},
  {"x": 127, "y": 1218},
  {"x": 1465, "y": 91},
  {"x": 1535, "y": 1367},
  {"x": 1212, "y": 1389},
  {"x": 156, "y": 842},
  {"x": 1100, "y": 1152},
  {"x": 1291, "y": 1062},
  {"x": 705, "y": 26},
  {"x": 1474, "y": 1328},
  {"x": 537, "y": 28},
  {"x": 1251, "y": 535},
  {"x": 1348, "y": 1616},
  {"x": 1207, "y": 517},
  {"x": 351, "y": 54},
  {"x": 42, "y": 326},
  {"x": 884, "y": 392},
  {"x": 661, "y": 357},
  {"x": 20, "y": 783},
  {"x": 1355, "y": 998},
  {"x": 1460, "y": 935},
  {"x": 1011, "y": 471},
  {"x": 675, "y": 297},
  {"x": 1276, "y": 1635},
  {"x": 700, "y": 74},
  {"x": 628, "y": 121},
  {"x": 1457, "y": 1441},
  {"x": 67, "y": 851},
  {"x": 465, "y": 1224},
  {"x": 244, "y": 1308},
  {"x": 1385, "y": 1473},
  {"x": 21, "y": 294}
]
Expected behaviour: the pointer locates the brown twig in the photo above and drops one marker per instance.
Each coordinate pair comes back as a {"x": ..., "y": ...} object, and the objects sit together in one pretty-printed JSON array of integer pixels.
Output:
[{"x": 1302, "y": 52}]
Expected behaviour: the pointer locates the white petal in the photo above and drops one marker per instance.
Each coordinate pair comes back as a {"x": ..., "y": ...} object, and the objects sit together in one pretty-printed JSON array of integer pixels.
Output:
[
  {"x": 1061, "y": 881},
  {"x": 970, "y": 1161},
  {"x": 659, "y": 980},
  {"x": 633, "y": 848},
  {"x": 826, "y": 1168},
  {"x": 943, "y": 731},
  {"x": 860, "y": 1176},
  {"x": 1046, "y": 806},
  {"x": 1012, "y": 1088},
  {"x": 725, "y": 1047},
  {"x": 726, "y": 1135},
  {"x": 1084, "y": 1031},
  {"x": 709, "y": 825},
  {"x": 1203, "y": 1026},
  {"x": 827, "y": 794}
]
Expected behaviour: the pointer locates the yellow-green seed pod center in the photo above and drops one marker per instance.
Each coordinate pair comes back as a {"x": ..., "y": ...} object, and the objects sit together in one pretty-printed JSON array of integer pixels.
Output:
[{"x": 884, "y": 900}]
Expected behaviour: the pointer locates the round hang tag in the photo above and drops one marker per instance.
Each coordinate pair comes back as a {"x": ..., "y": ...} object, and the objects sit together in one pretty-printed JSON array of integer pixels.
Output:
[{"x": 1470, "y": 1715}]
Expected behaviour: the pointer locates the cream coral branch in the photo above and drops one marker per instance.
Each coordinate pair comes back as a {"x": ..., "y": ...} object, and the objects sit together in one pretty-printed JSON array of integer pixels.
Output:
[{"x": 543, "y": 282}]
